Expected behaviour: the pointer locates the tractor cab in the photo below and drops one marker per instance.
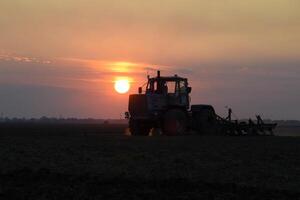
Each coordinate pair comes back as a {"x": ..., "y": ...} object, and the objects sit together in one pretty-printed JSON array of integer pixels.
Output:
[{"x": 168, "y": 91}]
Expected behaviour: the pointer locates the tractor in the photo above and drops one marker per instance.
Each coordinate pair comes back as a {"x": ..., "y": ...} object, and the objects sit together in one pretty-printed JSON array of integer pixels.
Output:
[{"x": 165, "y": 104}]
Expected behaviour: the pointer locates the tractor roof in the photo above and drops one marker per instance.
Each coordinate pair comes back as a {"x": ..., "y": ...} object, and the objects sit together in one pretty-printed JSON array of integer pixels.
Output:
[{"x": 168, "y": 78}]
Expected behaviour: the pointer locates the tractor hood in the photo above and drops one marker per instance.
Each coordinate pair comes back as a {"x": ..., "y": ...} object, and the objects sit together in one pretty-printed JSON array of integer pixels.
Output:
[{"x": 141, "y": 105}]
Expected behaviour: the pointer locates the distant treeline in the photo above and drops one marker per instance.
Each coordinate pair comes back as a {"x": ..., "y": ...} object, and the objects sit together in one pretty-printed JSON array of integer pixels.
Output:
[
  {"x": 287, "y": 122},
  {"x": 63, "y": 120},
  {"x": 109, "y": 121}
]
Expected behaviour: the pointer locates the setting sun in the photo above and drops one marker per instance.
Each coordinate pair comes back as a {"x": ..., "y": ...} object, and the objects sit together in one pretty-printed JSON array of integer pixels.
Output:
[{"x": 122, "y": 86}]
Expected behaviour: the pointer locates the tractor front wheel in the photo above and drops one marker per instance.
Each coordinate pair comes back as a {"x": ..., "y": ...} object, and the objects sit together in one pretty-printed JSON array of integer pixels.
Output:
[
  {"x": 138, "y": 127},
  {"x": 175, "y": 122}
]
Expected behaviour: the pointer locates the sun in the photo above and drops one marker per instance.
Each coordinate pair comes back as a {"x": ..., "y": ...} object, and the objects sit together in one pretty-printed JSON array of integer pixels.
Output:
[{"x": 122, "y": 86}]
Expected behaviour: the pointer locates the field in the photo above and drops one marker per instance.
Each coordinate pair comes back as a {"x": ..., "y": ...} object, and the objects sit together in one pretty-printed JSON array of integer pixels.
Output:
[{"x": 45, "y": 161}]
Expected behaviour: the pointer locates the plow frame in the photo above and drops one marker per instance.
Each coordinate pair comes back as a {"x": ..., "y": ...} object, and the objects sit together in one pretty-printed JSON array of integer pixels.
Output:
[{"x": 235, "y": 127}]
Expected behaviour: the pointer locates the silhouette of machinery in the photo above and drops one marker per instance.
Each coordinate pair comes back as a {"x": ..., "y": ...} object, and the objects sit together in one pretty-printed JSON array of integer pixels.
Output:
[{"x": 165, "y": 104}]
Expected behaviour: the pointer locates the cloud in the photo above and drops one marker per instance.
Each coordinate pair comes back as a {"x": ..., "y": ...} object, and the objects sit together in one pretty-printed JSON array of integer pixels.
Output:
[{"x": 9, "y": 57}]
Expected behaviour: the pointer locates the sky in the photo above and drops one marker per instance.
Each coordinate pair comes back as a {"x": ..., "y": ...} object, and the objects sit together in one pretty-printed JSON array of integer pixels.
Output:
[{"x": 60, "y": 58}]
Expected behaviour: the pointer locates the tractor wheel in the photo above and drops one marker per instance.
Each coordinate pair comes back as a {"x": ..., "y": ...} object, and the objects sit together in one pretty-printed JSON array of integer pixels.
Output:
[
  {"x": 138, "y": 127},
  {"x": 175, "y": 122},
  {"x": 204, "y": 122}
]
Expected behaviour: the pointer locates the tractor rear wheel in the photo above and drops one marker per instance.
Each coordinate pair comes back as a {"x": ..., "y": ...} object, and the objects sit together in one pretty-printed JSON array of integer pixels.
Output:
[
  {"x": 138, "y": 127},
  {"x": 204, "y": 120},
  {"x": 175, "y": 122}
]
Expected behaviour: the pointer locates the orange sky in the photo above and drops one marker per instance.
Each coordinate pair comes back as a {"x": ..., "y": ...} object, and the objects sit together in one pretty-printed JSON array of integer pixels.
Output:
[{"x": 62, "y": 57}]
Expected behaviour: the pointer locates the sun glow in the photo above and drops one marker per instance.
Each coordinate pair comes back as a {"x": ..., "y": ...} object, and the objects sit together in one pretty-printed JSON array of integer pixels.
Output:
[
  {"x": 121, "y": 66},
  {"x": 122, "y": 86}
]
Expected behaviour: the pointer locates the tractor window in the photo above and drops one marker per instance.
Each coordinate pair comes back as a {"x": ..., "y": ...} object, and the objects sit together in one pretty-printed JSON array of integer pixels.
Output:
[
  {"x": 151, "y": 87},
  {"x": 171, "y": 86},
  {"x": 182, "y": 87},
  {"x": 154, "y": 86},
  {"x": 163, "y": 87}
]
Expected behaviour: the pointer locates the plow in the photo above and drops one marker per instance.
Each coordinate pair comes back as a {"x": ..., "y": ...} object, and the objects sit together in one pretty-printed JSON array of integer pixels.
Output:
[
  {"x": 235, "y": 127},
  {"x": 165, "y": 104}
]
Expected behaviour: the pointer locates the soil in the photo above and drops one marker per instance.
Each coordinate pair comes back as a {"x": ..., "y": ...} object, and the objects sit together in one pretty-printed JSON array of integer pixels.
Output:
[{"x": 70, "y": 161}]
